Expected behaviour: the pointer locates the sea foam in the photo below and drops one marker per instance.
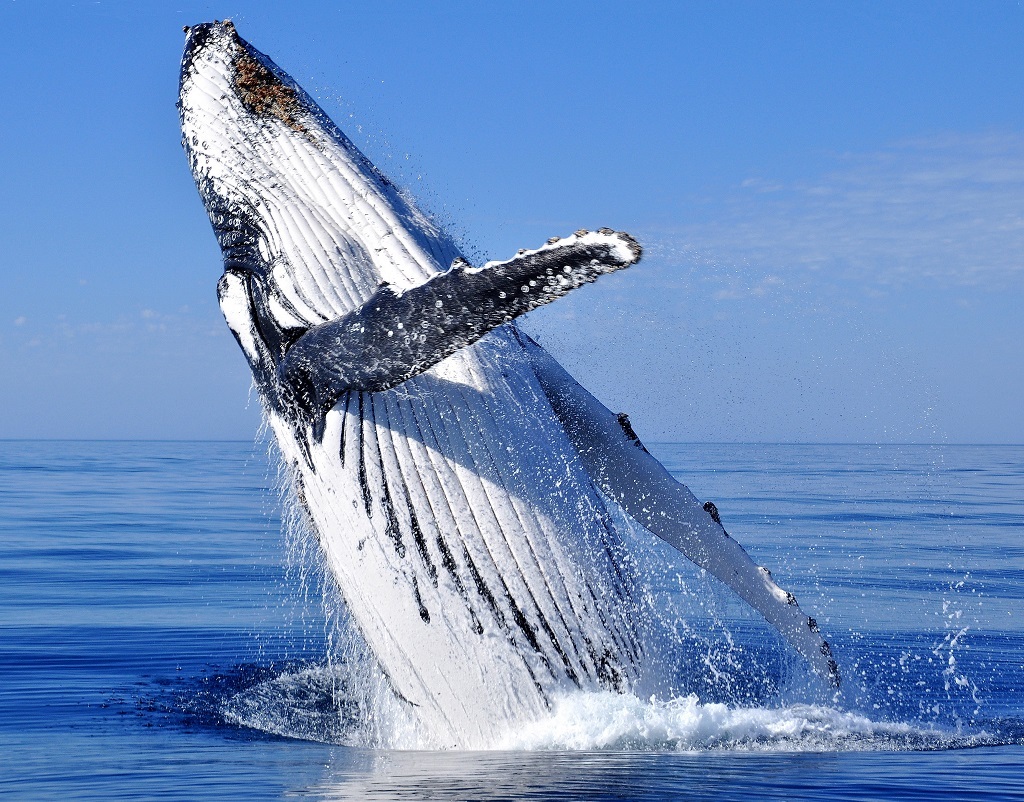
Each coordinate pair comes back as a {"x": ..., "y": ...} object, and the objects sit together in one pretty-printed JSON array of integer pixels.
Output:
[
  {"x": 311, "y": 704},
  {"x": 590, "y": 721}
]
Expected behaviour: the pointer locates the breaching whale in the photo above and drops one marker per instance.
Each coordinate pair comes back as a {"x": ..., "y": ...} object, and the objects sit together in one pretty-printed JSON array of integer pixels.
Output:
[{"x": 469, "y": 496}]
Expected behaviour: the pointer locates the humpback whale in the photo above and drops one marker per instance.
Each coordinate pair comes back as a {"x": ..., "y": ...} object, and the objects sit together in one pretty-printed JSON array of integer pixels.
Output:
[{"x": 471, "y": 499}]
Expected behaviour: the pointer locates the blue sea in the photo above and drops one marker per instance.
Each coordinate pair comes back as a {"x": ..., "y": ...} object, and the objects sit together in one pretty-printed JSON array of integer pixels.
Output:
[{"x": 161, "y": 636}]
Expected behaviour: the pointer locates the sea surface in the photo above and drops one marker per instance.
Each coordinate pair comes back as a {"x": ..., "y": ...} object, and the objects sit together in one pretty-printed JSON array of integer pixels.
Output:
[{"x": 162, "y": 636}]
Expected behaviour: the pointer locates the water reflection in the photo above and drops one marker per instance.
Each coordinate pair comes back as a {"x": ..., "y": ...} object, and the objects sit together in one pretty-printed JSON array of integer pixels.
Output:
[{"x": 603, "y": 776}]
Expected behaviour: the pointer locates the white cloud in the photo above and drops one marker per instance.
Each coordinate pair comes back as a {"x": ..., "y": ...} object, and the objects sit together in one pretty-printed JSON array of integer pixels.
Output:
[
  {"x": 948, "y": 210},
  {"x": 737, "y": 290}
]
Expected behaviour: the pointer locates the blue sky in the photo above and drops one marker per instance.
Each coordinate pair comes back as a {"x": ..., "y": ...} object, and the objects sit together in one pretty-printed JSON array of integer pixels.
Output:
[{"x": 831, "y": 198}]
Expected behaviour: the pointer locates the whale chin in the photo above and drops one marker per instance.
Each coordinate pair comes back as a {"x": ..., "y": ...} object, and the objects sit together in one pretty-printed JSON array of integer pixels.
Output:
[{"x": 474, "y": 504}]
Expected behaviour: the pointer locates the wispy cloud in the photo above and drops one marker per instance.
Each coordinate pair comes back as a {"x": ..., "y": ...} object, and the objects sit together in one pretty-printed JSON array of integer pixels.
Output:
[
  {"x": 947, "y": 210},
  {"x": 146, "y": 329}
]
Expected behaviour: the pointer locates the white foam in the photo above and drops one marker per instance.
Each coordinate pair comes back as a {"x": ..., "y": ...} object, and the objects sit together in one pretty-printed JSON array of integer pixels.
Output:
[{"x": 611, "y": 721}]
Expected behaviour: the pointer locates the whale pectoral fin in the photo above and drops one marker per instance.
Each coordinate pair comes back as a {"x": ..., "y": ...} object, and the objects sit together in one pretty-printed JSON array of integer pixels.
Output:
[
  {"x": 398, "y": 334},
  {"x": 261, "y": 339},
  {"x": 624, "y": 470},
  {"x": 236, "y": 303}
]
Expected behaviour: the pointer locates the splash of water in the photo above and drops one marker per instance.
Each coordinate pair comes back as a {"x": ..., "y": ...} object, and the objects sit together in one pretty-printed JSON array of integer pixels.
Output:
[
  {"x": 733, "y": 686},
  {"x": 311, "y": 704},
  {"x": 624, "y": 722}
]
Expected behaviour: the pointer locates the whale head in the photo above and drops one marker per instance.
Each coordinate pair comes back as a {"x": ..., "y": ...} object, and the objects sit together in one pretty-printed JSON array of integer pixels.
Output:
[
  {"x": 308, "y": 227},
  {"x": 300, "y": 214}
]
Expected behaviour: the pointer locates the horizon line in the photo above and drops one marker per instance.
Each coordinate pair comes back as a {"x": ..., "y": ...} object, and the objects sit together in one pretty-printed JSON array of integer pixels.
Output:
[{"x": 255, "y": 440}]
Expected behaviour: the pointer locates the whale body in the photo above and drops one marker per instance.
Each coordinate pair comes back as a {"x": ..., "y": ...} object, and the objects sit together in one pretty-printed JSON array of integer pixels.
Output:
[{"x": 470, "y": 498}]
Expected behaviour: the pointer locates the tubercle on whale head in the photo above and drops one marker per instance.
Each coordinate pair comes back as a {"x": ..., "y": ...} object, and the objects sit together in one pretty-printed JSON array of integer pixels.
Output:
[{"x": 254, "y": 80}]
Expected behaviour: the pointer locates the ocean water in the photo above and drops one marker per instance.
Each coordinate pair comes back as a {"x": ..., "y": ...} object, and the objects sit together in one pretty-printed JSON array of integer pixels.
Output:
[{"x": 161, "y": 637}]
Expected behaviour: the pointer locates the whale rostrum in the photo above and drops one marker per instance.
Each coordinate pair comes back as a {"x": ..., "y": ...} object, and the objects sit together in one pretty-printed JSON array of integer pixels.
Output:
[{"x": 475, "y": 505}]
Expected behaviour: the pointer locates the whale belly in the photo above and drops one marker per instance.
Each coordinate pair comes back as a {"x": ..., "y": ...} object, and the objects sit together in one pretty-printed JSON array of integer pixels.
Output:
[{"x": 473, "y": 551}]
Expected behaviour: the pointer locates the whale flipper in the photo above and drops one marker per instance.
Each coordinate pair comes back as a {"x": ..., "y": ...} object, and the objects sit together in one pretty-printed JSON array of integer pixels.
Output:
[
  {"x": 399, "y": 333},
  {"x": 627, "y": 473}
]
